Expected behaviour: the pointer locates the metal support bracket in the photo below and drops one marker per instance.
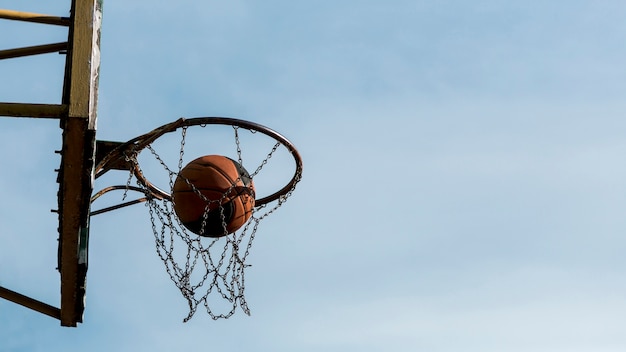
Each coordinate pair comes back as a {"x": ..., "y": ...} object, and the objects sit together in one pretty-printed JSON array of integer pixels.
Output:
[{"x": 31, "y": 303}]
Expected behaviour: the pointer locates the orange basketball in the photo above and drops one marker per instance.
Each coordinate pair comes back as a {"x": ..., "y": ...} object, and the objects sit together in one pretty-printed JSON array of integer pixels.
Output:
[{"x": 214, "y": 191}]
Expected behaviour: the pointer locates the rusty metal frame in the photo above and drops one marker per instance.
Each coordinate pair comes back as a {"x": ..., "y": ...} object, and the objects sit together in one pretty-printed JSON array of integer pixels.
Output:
[
  {"x": 33, "y": 50},
  {"x": 31, "y": 303},
  {"x": 115, "y": 159},
  {"x": 77, "y": 117},
  {"x": 78, "y": 155},
  {"x": 54, "y": 111},
  {"x": 34, "y": 17}
]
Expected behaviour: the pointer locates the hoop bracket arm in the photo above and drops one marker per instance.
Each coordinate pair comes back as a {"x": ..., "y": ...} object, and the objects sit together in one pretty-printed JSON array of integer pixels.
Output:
[{"x": 31, "y": 303}]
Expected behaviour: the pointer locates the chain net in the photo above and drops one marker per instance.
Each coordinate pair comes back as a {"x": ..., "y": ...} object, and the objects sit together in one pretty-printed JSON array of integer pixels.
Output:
[{"x": 209, "y": 272}]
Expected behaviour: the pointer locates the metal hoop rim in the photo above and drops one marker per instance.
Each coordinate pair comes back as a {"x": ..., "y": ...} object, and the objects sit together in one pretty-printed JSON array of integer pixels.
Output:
[{"x": 137, "y": 144}]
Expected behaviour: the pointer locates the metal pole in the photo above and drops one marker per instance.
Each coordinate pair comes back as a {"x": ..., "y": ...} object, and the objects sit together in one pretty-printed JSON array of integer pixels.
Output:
[
  {"x": 80, "y": 93},
  {"x": 30, "y": 303},
  {"x": 34, "y": 17},
  {"x": 32, "y": 50},
  {"x": 52, "y": 111}
]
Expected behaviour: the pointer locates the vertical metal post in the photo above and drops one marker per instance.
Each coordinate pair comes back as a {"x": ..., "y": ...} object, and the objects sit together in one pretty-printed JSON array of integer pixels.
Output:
[{"x": 76, "y": 173}]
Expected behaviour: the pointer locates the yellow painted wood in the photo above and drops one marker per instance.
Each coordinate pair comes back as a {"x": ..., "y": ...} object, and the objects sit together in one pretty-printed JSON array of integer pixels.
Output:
[
  {"x": 32, "y": 50},
  {"x": 80, "y": 95},
  {"x": 34, "y": 17},
  {"x": 33, "y": 110}
]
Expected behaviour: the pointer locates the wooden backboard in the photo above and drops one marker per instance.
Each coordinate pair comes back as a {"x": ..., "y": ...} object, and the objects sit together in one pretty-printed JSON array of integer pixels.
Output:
[
  {"x": 77, "y": 116},
  {"x": 80, "y": 94}
]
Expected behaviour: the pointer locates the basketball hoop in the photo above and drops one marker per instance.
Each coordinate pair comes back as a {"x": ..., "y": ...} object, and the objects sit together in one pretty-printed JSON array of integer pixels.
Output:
[{"x": 207, "y": 271}]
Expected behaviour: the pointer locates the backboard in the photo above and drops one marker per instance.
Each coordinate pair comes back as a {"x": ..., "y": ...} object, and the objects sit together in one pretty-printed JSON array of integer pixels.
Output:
[
  {"x": 83, "y": 159},
  {"x": 77, "y": 116},
  {"x": 80, "y": 94}
]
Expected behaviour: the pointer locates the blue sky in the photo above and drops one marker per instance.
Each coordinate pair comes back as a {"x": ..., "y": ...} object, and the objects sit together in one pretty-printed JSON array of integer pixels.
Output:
[{"x": 463, "y": 186}]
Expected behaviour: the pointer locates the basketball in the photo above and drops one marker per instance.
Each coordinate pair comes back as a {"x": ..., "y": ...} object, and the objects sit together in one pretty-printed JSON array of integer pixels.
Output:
[{"x": 213, "y": 196}]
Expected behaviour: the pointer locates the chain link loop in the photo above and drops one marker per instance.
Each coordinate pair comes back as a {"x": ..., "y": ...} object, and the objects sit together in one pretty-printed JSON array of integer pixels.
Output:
[{"x": 205, "y": 270}]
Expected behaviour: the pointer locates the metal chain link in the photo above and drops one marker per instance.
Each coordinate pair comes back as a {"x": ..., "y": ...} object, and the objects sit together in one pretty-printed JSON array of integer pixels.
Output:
[
  {"x": 238, "y": 144},
  {"x": 130, "y": 159},
  {"x": 221, "y": 275},
  {"x": 264, "y": 162}
]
